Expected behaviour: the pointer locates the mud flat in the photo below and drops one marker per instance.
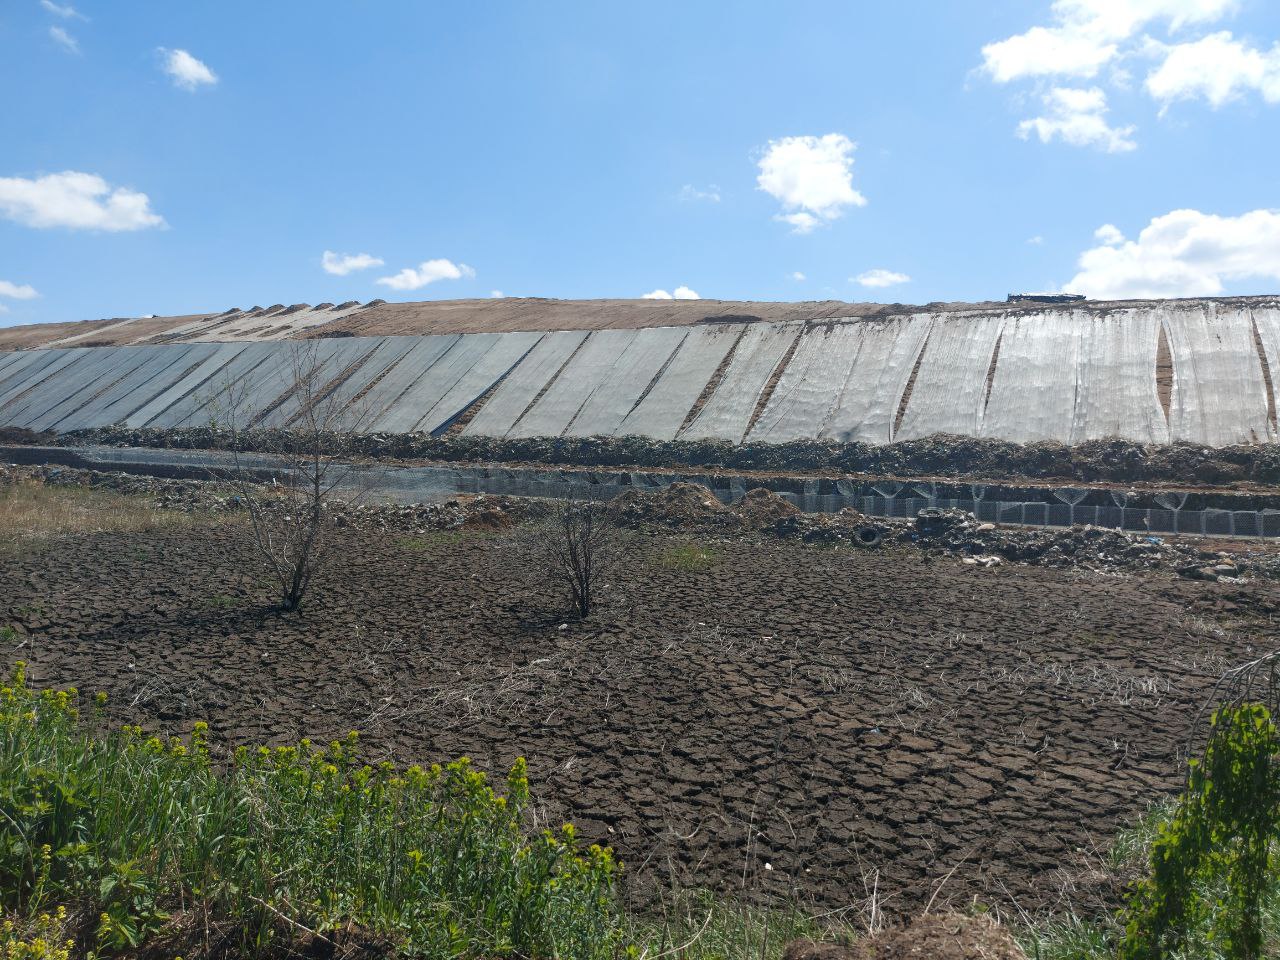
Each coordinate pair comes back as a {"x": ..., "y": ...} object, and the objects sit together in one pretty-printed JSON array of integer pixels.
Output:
[{"x": 791, "y": 720}]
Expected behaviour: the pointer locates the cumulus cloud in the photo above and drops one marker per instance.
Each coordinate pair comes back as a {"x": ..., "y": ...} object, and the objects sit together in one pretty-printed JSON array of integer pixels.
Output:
[
  {"x": 185, "y": 70},
  {"x": 341, "y": 264},
  {"x": 17, "y": 291},
  {"x": 879, "y": 277},
  {"x": 1216, "y": 68},
  {"x": 711, "y": 194},
  {"x": 1086, "y": 35},
  {"x": 680, "y": 293},
  {"x": 1078, "y": 117},
  {"x": 65, "y": 40},
  {"x": 798, "y": 276},
  {"x": 79, "y": 201},
  {"x": 1184, "y": 253},
  {"x": 812, "y": 177},
  {"x": 496, "y": 294},
  {"x": 429, "y": 271},
  {"x": 66, "y": 12}
]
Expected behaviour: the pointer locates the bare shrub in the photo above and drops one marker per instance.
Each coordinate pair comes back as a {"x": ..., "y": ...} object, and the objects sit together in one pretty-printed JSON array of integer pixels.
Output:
[
  {"x": 577, "y": 546},
  {"x": 289, "y": 496}
]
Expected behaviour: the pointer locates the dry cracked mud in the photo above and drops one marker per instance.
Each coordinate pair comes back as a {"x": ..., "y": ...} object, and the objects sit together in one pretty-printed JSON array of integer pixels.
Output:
[{"x": 812, "y": 723}]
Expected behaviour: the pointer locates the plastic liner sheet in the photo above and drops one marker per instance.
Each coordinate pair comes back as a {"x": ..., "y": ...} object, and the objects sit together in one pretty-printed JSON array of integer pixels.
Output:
[
  {"x": 14, "y": 388},
  {"x": 1219, "y": 396},
  {"x": 131, "y": 394},
  {"x": 1267, "y": 322},
  {"x": 505, "y": 352},
  {"x": 1117, "y": 386},
  {"x": 89, "y": 411},
  {"x": 203, "y": 374},
  {"x": 15, "y": 360},
  {"x": 436, "y": 381},
  {"x": 1033, "y": 391},
  {"x": 727, "y": 413},
  {"x": 590, "y": 367},
  {"x": 608, "y": 406},
  {"x": 872, "y": 391},
  {"x": 501, "y": 411},
  {"x": 663, "y": 410},
  {"x": 233, "y": 392},
  {"x": 951, "y": 384},
  {"x": 383, "y": 395},
  {"x": 328, "y": 358},
  {"x": 387, "y": 352},
  {"x": 72, "y": 387},
  {"x": 809, "y": 387}
]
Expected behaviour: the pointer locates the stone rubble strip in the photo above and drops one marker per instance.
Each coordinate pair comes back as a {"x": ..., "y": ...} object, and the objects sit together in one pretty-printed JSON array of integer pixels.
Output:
[{"x": 691, "y": 508}]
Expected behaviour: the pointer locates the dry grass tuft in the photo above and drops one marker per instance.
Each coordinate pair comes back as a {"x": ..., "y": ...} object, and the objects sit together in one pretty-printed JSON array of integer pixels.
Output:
[{"x": 33, "y": 512}]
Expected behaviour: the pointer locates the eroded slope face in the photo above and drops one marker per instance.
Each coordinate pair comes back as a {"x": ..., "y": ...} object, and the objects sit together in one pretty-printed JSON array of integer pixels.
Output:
[{"x": 1155, "y": 373}]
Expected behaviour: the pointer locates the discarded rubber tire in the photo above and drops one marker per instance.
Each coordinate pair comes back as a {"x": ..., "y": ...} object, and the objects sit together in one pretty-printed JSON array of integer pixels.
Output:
[{"x": 868, "y": 538}]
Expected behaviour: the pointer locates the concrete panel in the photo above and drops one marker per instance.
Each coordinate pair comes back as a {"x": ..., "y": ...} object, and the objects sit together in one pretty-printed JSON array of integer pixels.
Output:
[
  {"x": 1219, "y": 396},
  {"x": 505, "y": 353},
  {"x": 203, "y": 373},
  {"x": 1118, "y": 380},
  {"x": 872, "y": 392},
  {"x": 608, "y": 406},
  {"x": 951, "y": 383},
  {"x": 441, "y": 377},
  {"x": 663, "y": 411},
  {"x": 591, "y": 366},
  {"x": 727, "y": 413},
  {"x": 1033, "y": 392},
  {"x": 501, "y": 411}
]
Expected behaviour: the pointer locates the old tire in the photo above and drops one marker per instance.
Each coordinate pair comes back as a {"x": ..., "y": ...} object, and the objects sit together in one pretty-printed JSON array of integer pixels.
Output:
[{"x": 867, "y": 538}]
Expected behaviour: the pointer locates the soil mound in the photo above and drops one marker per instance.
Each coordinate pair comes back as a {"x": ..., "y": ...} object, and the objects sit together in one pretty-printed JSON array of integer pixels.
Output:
[
  {"x": 940, "y": 936},
  {"x": 679, "y": 505},
  {"x": 760, "y": 508}
]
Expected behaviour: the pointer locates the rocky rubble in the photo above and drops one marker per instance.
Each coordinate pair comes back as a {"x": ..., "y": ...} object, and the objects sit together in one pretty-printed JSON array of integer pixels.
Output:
[
  {"x": 941, "y": 455},
  {"x": 692, "y": 507}
]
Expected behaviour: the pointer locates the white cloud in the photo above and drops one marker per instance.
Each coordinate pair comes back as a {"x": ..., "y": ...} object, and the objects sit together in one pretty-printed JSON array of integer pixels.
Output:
[
  {"x": 429, "y": 271},
  {"x": 66, "y": 12},
  {"x": 680, "y": 293},
  {"x": 1078, "y": 117},
  {"x": 341, "y": 264},
  {"x": 812, "y": 177},
  {"x": 690, "y": 192},
  {"x": 879, "y": 277},
  {"x": 798, "y": 276},
  {"x": 1216, "y": 68},
  {"x": 185, "y": 70},
  {"x": 1035, "y": 241},
  {"x": 1184, "y": 253},
  {"x": 79, "y": 201},
  {"x": 65, "y": 40},
  {"x": 496, "y": 294},
  {"x": 17, "y": 291},
  {"x": 1088, "y": 34}
]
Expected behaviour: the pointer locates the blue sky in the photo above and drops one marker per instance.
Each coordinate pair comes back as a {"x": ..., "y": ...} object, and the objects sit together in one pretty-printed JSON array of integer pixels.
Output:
[{"x": 170, "y": 158}]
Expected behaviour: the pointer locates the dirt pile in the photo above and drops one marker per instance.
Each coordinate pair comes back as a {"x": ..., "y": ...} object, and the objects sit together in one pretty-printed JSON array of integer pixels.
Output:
[
  {"x": 1087, "y": 547},
  {"x": 941, "y": 455},
  {"x": 682, "y": 505},
  {"x": 938, "y": 936}
]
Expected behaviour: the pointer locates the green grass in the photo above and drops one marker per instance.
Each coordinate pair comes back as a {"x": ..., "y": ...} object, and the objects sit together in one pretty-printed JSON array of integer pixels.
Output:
[
  {"x": 688, "y": 557},
  {"x": 1069, "y": 937},
  {"x": 140, "y": 835}
]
